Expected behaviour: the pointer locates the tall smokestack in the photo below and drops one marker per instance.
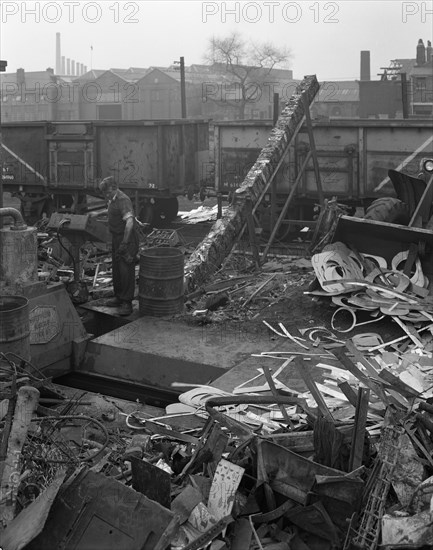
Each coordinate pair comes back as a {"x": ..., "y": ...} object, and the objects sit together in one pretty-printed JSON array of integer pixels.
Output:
[
  {"x": 365, "y": 65},
  {"x": 58, "y": 54},
  {"x": 420, "y": 53},
  {"x": 73, "y": 67},
  {"x": 68, "y": 66},
  {"x": 63, "y": 65},
  {"x": 85, "y": 69}
]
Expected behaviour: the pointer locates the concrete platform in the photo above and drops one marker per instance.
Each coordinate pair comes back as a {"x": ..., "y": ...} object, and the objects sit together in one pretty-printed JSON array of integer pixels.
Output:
[
  {"x": 158, "y": 352},
  {"x": 98, "y": 306}
]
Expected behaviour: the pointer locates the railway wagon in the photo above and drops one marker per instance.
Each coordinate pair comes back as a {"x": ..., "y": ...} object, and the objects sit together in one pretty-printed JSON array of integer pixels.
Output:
[
  {"x": 53, "y": 166},
  {"x": 354, "y": 156}
]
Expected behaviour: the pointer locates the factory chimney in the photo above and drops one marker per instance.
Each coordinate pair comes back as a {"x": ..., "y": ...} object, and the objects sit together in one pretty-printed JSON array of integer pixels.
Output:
[
  {"x": 58, "y": 54},
  {"x": 73, "y": 67},
  {"x": 63, "y": 65},
  {"x": 68, "y": 66},
  {"x": 420, "y": 53},
  {"x": 365, "y": 65}
]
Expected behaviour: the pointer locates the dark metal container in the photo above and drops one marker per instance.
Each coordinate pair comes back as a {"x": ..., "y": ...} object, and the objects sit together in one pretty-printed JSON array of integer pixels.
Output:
[
  {"x": 161, "y": 282},
  {"x": 15, "y": 326}
]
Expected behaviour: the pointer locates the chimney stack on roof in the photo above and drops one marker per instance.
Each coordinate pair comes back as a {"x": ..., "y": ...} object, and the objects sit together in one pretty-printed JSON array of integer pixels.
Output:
[
  {"x": 420, "y": 53},
  {"x": 365, "y": 65},
  {"x": 429, "y": 52},
  {"x": 21, "y": 77}
]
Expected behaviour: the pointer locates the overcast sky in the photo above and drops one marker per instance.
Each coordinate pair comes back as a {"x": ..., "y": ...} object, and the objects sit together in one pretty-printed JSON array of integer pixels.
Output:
[{"x": 325, "y": 38}]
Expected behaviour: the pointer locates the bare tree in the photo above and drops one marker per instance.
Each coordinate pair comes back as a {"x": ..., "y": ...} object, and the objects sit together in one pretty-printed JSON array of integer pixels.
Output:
[{"x": 243, "y": 67}]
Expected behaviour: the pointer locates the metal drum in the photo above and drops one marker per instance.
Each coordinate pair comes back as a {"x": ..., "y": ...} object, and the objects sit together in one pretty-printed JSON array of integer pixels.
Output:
[
  {"x": 15, "y": 326},
  {"x": 161, "y": 282}
]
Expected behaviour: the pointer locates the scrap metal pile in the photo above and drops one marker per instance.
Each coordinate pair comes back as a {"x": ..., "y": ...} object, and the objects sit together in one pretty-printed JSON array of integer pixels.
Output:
[
  {"x": 320, "y": 448},
  {"x": 362, "y": 283},
  {"x": 240, "y": 292}
]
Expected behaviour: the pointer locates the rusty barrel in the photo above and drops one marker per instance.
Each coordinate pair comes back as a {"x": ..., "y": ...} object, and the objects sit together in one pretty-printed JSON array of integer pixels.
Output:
[
  {"x": 161, "y": 282},
  {"x": 15, "y": 326}
]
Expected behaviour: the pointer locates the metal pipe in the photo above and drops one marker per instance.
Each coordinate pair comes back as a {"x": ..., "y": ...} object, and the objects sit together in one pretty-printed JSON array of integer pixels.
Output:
[{"x": 15, "y": 214}]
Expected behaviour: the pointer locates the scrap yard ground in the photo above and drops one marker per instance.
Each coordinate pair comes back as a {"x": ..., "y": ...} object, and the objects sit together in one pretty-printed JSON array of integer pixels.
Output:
[{"x": 284, "y": 403}]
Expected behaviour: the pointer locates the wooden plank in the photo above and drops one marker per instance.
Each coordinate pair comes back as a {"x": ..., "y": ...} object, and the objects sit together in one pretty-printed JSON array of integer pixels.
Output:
[
  {"x": 252, "y": 231},
  {"x": 311, "y": 385},
  {"x": 313, "y": 151},
  {"x": 273, "y": 389},
  {"x": 357, "y": 447},
  {"x": 26, "y": 404},
  {"x": 349, "y": 392},
  {"x": 397, "y": 384},
  {"x": 351, "y": 367},
  {"x": 361, "y": 359}
]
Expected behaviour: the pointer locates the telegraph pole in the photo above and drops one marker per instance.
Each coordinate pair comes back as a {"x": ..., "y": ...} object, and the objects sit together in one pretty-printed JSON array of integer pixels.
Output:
[
  {"x": 404, "y": 95},
  {"x": 182, "y": 87},
  {"x": 3, "y": 65}
]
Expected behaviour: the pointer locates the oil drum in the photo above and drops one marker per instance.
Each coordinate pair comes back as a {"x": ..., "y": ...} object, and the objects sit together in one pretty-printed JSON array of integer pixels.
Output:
[
  {"x": 161, "y": 282},
  {"x": 15, "y": 326}
]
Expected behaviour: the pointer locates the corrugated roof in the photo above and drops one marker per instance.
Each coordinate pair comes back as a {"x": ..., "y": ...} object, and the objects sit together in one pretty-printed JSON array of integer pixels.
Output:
[
  {"x": 93, "y": 74},
  {"x": 338, "y": 91}
]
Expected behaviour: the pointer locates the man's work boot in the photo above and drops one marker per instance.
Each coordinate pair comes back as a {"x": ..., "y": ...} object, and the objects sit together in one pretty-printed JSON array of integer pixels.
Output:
[{"x": 125, "y": 309}]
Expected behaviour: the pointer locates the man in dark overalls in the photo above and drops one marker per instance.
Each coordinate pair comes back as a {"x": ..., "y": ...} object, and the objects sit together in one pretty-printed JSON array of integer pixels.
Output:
[{"x": 121, "y": 223}]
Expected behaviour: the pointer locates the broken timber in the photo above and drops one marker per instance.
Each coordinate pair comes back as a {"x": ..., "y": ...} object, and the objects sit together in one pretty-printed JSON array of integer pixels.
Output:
[{"x": 211, "y": 252}]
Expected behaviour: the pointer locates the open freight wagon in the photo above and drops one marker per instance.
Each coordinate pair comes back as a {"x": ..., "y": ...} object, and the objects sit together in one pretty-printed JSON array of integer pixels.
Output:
[
  {"x": 354, "y": 156},
  {"x": 55, "y": 166}
]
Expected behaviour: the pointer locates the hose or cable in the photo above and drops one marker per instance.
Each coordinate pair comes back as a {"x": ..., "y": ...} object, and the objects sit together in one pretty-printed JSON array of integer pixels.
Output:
[
  {"x": 28, "y": 363},
  {"x": 78, "y": 417}
]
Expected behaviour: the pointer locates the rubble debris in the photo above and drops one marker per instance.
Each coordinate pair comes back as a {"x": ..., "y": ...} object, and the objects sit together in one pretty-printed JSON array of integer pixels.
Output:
[{"x": 319, "y": 460}]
